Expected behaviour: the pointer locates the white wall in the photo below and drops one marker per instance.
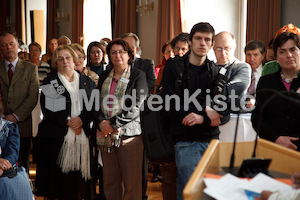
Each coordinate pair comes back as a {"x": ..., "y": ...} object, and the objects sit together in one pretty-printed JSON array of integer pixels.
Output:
[
  {"x": 34, "y": 5},
  {"x": 223, "y": 15},
  {"x": 97, "y": 25},
  {"x": 290, "y": 12}
]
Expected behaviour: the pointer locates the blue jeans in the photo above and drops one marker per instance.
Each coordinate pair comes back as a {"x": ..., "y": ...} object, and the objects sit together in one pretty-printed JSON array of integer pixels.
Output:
[{"x": 187, "y": 157}]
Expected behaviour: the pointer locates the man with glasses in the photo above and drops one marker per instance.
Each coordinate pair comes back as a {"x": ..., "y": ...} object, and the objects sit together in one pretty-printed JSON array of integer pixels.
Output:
[
  {"x": 238, "y": 72},
  {"x": 180, "y": 44},
  {"x": 145, "y": 65}
]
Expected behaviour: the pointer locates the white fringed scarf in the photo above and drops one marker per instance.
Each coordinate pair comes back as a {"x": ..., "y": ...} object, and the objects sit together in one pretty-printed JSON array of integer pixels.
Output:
[{"x": 74, "y": 153}]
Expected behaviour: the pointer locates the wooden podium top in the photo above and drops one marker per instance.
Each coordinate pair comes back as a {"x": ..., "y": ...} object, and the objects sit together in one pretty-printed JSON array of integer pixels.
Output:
[{"x": 218, "y": 155}]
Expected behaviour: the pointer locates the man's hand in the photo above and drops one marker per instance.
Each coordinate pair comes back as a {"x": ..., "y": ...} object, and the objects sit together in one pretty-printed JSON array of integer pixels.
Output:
[
  {"x": 286, "y": 141},
  {"x": 214, "y": 116},
  {"x": 105, "y": 127},
  {"x": 296, "y": 180},
  {"x": 11, "y": 118},
  {"x": 192, "y": 119}
]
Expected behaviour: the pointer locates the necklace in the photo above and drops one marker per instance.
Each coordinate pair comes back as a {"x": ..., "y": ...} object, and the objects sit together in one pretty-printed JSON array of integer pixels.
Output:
[{"x": 287, "y": 80}]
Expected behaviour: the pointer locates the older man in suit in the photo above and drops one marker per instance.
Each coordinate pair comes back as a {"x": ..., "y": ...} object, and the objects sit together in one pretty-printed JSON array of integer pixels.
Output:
[
  {"x": 238, "y": 72},
  {"x": 145, "y": 65},
  {"x": 20, "y": 89},
  {"x": 148, "y": 67}
]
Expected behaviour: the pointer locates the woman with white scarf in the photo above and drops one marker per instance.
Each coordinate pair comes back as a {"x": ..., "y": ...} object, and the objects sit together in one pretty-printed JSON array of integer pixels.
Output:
[
  {"x": 122, "y": 90},
  {"x": 63, "y": 151}
]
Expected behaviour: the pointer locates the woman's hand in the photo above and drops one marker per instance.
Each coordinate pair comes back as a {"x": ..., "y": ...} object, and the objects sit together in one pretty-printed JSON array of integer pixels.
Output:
[
  {"x": 264, "y": 195},
  {"x": 4, "y": 164},
  {"x": 75, "y": 124},
  {"x": 105, "y": 127},
  {"x": 286, "y": 141}
]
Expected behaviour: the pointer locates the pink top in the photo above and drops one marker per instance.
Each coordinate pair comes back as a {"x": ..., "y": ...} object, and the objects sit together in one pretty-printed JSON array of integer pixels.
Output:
[
  {"x": 287, "y": 85},
  {"x": 113, "y": 86}
]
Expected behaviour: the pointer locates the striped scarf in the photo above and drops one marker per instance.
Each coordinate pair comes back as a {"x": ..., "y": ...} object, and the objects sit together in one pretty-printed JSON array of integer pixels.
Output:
[{"x": 117, "y": 104}]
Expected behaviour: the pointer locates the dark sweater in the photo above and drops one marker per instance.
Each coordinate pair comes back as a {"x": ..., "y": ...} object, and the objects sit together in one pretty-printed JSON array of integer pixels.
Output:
[{"x": 199, "y": 77}]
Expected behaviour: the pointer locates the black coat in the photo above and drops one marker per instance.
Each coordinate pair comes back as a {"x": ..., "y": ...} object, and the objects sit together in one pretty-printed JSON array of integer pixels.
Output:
[
  {"x": 54, "y": 124},
  {"x": 147, "y": 66},
  {"x": 50, "y": 180},
  {"x": 276, "y": 116}
]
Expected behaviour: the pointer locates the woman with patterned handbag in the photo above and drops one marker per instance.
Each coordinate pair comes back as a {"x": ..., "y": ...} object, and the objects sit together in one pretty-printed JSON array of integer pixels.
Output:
[{"x": 122, "y": 90}]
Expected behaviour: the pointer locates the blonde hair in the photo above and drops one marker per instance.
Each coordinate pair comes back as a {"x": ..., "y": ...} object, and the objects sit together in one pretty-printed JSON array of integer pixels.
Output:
[
  {"x": 79, "y": 48},
  {"x": 59, "y": 48}
]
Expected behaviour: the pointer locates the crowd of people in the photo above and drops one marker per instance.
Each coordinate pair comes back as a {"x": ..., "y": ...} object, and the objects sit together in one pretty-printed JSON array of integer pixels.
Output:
[{"x": 98, "y": 140}]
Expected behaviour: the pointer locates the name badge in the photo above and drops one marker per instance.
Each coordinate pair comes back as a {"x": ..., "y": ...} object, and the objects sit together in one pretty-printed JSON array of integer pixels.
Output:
[{"x": 124, "y": 80}]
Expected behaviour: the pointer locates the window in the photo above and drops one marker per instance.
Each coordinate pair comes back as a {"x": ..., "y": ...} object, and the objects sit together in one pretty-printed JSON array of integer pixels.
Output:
[
  {"x": 96, "y": 21},
  {"x": 223, "y": 15}
]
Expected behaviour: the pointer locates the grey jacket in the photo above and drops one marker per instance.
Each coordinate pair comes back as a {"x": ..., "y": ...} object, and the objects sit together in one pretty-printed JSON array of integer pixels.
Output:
[{"x": 239, "y": 77}]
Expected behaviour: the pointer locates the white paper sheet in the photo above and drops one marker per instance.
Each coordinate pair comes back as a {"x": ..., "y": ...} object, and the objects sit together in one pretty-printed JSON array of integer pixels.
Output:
[{"x": 230, "y": 187}]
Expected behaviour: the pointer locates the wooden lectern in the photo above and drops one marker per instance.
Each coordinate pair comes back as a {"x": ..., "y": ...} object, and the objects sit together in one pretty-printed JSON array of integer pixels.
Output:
[{"x": 218, "y": 155}]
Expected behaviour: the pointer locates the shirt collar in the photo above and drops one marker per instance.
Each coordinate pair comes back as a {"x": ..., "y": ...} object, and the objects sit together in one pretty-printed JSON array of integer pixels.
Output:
[
  {"x": 14, "y": 63},
  {"x": 259, "y": 69},
  {"x": 233, "y": 59}
]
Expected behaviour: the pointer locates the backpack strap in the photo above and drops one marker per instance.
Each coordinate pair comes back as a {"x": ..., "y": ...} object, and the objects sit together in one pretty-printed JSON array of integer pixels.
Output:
[
  {"x": 180, "y": 70},
  {"x": 213, "y": 68}
]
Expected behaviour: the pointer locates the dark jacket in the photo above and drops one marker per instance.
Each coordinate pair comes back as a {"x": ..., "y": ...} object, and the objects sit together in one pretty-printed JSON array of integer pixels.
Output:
[
  {"x": 129, "y": 121},
  {"x": 147, "y": 66},
  {"x": 194, "y": 77},
  {"x": 276, "y": 116},
  {"x": 9, "y": 141},
  {"x": 54, "y": 124}
]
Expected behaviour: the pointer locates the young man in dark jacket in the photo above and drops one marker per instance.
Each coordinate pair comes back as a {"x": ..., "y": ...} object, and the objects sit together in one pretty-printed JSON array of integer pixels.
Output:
[{"x": 195, "y": 123}]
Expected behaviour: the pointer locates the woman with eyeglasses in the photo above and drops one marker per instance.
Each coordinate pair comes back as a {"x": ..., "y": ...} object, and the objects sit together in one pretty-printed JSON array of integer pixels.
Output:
[
  {"x": 122, "y": 90},
  {"x": 63, "y": 149},
  {"x": 80, "y": 63},
  {"x": 96, "y": 57}
]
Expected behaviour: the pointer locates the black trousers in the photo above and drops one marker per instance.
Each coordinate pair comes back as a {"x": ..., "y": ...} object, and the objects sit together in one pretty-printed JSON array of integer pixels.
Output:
[
  {"x": 145, "y": 176},
  {"x": 24, "y": 154}
]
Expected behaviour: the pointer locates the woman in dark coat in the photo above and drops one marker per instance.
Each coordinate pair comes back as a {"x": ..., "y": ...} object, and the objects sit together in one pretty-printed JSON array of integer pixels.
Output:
[
  {"x": 63, "y": 157},
  {"x": 277, "y": 113}
]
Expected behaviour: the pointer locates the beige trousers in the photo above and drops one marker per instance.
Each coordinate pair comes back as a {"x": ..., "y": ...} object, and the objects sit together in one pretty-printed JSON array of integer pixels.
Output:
[{"x": 122, "y": 170}]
